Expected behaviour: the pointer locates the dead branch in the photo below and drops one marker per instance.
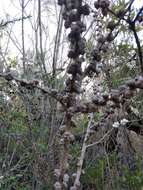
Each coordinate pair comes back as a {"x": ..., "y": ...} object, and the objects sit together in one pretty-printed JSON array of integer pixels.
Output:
[{"x": 83, "y": 151}]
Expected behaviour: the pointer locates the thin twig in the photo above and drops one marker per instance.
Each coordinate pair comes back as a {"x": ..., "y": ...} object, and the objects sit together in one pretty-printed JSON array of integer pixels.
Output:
[
  {"x": 3, "y": 24},
  {"x": 101, "y": 140}
]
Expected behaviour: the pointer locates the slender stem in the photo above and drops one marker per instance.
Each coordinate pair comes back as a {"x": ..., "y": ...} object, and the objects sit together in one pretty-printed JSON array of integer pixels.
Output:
[
  {"x": 138, "y": 46},
  {"x": 40, "y": 36},
  {"x": 23, "y": 37},
  {"x": 57, "y": 43}
]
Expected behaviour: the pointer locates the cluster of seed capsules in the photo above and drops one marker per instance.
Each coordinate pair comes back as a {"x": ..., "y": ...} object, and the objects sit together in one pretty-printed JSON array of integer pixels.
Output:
[
  {"x": 103, "y": 41},
  {"x": 72, "y": 14},
  {"x": 103, "y": 4}
]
